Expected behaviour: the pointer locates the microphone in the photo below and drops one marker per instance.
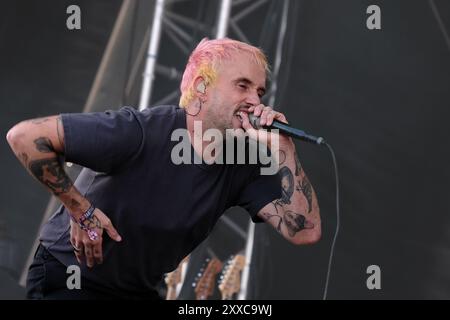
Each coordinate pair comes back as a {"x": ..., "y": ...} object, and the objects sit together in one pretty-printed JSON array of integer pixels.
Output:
[{"x": 284, "y": 128}]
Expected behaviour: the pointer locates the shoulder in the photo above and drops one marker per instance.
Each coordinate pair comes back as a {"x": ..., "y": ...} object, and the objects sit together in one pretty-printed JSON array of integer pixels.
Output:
[
  {"x": 161, "y": 120},
  {"x": 161, "y": 111}
]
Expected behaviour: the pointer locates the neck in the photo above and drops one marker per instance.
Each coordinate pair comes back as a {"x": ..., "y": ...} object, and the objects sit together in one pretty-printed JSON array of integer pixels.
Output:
[{"x": 196, "y": 126}]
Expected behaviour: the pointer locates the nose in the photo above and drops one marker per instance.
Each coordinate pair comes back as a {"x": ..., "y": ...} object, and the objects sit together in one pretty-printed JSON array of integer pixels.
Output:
[{"x": 253, "y": 98}]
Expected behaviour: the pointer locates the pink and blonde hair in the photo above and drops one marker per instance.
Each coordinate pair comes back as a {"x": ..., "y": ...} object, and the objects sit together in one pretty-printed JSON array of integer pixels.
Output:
[{"x": 206, "y": 58}]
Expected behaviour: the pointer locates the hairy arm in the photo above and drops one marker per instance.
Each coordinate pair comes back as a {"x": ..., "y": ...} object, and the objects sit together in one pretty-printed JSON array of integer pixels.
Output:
[
  {"x": 296, "y": 214},
  {"x": 39, "y": 146}
]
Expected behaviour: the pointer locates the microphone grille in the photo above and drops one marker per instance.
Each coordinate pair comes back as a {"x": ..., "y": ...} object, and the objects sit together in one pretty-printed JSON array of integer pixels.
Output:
[{"x": 254, "y": 121}]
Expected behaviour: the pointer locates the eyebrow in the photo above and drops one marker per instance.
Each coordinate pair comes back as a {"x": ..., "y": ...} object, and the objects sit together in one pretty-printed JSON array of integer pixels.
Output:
[{"x": 249, "y": 82}]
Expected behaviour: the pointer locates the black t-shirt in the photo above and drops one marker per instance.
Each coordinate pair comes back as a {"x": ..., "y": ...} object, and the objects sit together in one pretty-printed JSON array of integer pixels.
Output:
[{"x": 161, "y": 210}]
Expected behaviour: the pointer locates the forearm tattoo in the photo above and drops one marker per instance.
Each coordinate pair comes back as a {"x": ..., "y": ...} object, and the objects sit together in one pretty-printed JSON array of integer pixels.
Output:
[
  {"x": 74, "y": 203},
  {"x": 44, "y": 145},
  {"x": 294, "y": 222},
  {"x": 267, "y": 216},
  {"x": 298, "y": 166},
  {"x": 51, "y": 173},
  {"x": 287, "y": 185},
  {"x": 304, "y": 186}
]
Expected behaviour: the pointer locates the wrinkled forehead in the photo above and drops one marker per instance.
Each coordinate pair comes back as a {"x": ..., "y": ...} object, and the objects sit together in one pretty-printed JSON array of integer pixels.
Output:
[{"x": 243, "y": 65}]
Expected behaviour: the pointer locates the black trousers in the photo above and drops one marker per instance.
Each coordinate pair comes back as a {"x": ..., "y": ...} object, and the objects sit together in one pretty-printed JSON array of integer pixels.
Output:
[{"x": 47, "y": 280}]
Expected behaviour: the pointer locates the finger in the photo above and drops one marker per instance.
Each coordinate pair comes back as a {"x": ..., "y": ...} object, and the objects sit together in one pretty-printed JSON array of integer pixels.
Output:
[
  {"x": 73, "y": 242},
  {"x": 79, "y": 256},
  {"x": 80, "y": 252},
  {"x": 112, "y": 232},
  {"x": 280, "y": 117},
  {"x": 88, "y": 252},
  {"x": 258, "y": 110},
  {"x": 270, "y": 118},
  {"x": 266, "y": 111},
  {"x": 274, "y": 115},
  {"x": 98, "y": 254},
  {"x": 247, "y": 126},
  {"x": 78, "y": 247},
  {"x": 245, "y": 121}
]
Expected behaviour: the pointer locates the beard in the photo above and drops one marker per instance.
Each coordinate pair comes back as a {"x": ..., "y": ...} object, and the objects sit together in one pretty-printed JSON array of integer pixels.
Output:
[{"x": 221, "y": 115}]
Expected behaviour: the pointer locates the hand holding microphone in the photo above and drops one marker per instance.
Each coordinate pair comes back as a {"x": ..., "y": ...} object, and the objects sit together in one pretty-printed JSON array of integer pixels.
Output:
[{"x": 284, "y": 128}]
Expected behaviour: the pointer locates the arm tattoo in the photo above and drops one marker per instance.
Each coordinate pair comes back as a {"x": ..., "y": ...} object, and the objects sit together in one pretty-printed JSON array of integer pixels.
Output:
[
  {"x": 295, "y": 222},
  {"x": 44, "y": 145},
  {"x": 298, "y": 166},
  {"x": 59, "y": 129},
  {"x": 92, "y": 223},
  {"x": 304, "y": 186},
  {"x": 287, "y": 185},
  {"x": 74, "y": 203},
  {"x": 51, "y": 173},
  {"x": 267, "y": 216}
]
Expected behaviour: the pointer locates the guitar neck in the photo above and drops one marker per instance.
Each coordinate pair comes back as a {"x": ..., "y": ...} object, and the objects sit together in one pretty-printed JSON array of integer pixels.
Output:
[{"x": 171, "y": 293}]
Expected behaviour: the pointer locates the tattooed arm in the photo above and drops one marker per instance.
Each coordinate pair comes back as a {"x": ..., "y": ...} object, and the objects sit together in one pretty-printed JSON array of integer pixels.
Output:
[
  {"x": 296, "y": 214},
  {"x": 39, "y": 145}
]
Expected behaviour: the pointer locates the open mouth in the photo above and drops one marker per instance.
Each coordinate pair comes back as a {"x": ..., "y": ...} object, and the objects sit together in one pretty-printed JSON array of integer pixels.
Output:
[{"x": 237, "y": 114}]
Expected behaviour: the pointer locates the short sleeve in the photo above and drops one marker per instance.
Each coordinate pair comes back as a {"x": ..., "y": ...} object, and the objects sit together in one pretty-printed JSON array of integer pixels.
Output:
[
  {"x": 261, "y": 190},
  {"x": 102, "y": 141}
]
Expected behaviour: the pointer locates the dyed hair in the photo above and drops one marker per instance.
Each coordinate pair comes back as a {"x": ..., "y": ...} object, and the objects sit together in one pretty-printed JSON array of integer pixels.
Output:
[{"x": 206, "y": 58}]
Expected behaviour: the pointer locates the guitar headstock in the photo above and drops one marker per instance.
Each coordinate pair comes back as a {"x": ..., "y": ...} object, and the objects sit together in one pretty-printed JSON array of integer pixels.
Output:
[
  {"x": 230, "y": 280},
  {"x": 205, "y": 281},
  {"x": 173, "y": 278}
]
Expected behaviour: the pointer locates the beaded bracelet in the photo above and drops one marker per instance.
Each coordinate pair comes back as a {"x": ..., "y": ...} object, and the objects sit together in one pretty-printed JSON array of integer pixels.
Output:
[{"x": 92, "y": 234}]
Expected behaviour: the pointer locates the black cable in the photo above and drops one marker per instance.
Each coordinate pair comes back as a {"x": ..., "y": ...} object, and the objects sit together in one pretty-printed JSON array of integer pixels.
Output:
[{"x": 337, "y": 221}]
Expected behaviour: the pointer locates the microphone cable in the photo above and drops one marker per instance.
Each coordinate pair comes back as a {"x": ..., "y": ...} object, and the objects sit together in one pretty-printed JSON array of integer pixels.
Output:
[{"x": 338, "y": 218}]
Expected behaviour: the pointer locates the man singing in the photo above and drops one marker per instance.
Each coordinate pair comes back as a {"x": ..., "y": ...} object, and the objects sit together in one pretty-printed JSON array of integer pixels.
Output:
[{"x": 133, "y": 214}]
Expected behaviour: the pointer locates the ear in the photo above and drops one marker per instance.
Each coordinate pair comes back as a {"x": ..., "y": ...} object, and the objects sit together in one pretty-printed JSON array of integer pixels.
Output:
[{"x": 200, "y": 86}]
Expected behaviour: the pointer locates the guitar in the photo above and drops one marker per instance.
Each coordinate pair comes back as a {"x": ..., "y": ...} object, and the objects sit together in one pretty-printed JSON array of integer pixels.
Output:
[
  {"x": 205, "y": 281},
  {"x": 230, "y": 280},
  {"x": 173, "y": 278}
]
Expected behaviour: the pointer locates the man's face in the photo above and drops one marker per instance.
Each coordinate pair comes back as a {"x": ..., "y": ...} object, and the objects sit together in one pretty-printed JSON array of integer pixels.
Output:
[{"x": 240, "y": 84}]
